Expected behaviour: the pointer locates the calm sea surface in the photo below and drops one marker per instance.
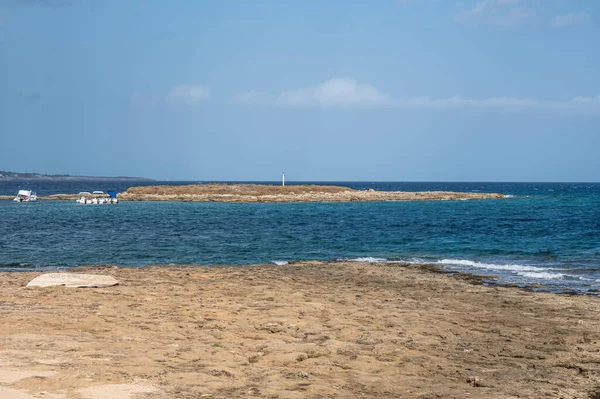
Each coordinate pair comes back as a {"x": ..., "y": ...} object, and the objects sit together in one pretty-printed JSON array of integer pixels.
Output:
[{"x": 546, "y": 233}]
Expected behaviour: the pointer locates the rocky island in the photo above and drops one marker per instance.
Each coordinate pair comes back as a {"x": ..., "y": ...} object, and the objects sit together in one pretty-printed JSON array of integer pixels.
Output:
[{"x": 270, "y": 193}]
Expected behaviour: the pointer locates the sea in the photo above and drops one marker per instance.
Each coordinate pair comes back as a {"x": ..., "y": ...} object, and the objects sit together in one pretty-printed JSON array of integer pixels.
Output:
[{"x": 543, "y": 236}]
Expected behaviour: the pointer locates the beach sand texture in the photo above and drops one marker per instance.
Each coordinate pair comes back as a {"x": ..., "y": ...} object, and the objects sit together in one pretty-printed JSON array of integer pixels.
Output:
[{"x": 306, "y": 330}]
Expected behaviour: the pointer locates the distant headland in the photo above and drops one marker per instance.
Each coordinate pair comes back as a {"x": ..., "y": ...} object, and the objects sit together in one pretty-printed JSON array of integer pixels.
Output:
[{"x": 7, "y": 175}]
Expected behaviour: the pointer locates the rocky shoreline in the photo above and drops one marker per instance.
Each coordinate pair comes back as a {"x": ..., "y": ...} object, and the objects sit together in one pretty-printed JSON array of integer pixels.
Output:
[
  {"x": 266, "y": 193},
  {"x": 302, "y": 330}
]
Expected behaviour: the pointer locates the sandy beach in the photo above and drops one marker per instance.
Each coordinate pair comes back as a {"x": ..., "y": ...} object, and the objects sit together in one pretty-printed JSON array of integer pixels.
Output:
[{"x": 305, "y": 330}]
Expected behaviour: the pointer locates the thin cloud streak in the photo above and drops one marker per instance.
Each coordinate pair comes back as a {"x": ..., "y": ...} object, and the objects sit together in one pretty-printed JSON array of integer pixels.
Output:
[
  {"x": 458, "y": 101},
  {"x": 188, "y": 94},
  {"x": 587, "y": 100},
  {"x": 499, "y": 13},
  {"x": 570, "y": 19},
  {"x": 348, "y": 93},
  {"x": 253, "y": 97}
]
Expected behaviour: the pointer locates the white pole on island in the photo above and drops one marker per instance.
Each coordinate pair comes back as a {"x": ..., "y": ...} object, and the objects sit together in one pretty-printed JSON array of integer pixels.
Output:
[{"x": 283, "y": 179}]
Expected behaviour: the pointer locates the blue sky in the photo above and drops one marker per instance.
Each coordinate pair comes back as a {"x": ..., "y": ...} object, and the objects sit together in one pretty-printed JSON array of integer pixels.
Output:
[{"x": 399, "y": 90}]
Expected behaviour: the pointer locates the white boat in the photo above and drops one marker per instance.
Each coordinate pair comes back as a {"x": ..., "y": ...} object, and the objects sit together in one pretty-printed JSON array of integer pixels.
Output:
[
  {"x": 97, "y": 197},
  {"x": 25, "y": 196}
]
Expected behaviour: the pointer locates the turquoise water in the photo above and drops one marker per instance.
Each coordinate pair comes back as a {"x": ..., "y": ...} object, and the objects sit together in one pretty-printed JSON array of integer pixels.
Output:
[{"x": 545, "y": 234}]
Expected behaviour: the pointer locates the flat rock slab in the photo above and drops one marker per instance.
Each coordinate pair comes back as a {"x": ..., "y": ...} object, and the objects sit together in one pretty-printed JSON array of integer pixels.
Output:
[
  {"x": 9, "y": 393},
  {"x": 10, "y": 376},
  {"x": 73, "y": 280},
  {"x": 116, "y": 391}
]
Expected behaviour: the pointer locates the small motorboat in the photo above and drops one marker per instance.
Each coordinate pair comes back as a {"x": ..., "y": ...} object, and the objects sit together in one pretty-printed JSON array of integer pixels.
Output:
[{"x": 25, "y": 196}]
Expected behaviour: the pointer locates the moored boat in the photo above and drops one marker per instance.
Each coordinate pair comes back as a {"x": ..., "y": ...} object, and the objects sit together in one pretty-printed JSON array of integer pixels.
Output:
[
  {"x": 26, "y": 196},
  {"x": 97, "y": 197}
]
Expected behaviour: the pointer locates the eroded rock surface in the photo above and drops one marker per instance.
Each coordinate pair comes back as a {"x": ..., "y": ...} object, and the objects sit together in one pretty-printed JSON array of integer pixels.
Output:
[
  {"x": 265, "y": 193},
  {"x": 73, "y": 280}
]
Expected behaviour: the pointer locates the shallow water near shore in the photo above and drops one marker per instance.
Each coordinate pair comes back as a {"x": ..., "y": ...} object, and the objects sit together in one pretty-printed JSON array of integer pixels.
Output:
[{"x": 547, "y": 234}]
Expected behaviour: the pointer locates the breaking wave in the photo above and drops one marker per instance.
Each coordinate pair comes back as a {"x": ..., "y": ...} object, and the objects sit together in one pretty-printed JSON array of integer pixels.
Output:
[
  {"x": 368, "y": 259},
  {"x": 542, "y": 275},
  {"x": 280, "y": 262},
  {"x": 492, "y": 266}
]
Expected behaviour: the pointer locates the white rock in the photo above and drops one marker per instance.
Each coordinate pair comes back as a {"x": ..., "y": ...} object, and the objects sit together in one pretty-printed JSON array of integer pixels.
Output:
[{"x": 73, "y": 280}]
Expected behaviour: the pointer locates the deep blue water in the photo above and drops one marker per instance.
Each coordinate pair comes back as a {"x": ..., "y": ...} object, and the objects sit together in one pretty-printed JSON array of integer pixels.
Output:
[{"x": 547, "y": 233}]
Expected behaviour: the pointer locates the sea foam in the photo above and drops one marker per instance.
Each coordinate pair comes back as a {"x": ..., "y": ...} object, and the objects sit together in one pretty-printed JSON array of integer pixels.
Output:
[
  {"x": 542, "y": 275},
  {"x": 369, "y": 259},
  {"x": 491, "y": 266},
  {"x": 280, "y": 262}
]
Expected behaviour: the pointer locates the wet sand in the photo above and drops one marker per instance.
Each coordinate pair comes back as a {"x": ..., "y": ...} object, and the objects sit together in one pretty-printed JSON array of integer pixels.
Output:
[{"x": 307, "y": 330}]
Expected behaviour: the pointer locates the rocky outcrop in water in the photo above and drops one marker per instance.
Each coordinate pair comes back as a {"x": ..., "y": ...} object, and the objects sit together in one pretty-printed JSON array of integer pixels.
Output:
[{"x": 265, "y": 193}]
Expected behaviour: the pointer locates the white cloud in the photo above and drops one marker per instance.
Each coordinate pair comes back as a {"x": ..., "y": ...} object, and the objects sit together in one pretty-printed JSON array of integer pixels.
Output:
[
  {"x": 512, "y": 104},
  {"x": 253, "y": 97},
  {"x": 347, "y": 93},
  {"x": 570, "y": 19},
  {"x": 500, "y": 13},
  {"x": 458, "y": 101},
  {"x": 340, "y": 92},
  {"x": 587, "y": 100},
  {"x": 188, "y": 94}
]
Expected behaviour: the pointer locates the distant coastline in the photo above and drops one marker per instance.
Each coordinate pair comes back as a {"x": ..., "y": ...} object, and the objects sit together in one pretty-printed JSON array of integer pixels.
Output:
[{"x": 7, "y": 175}]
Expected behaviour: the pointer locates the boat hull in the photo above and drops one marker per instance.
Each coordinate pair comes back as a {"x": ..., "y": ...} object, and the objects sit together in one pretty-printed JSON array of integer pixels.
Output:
[
  {"x": 96, "y": 201},
  {"x": 26, "y": 196}
]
